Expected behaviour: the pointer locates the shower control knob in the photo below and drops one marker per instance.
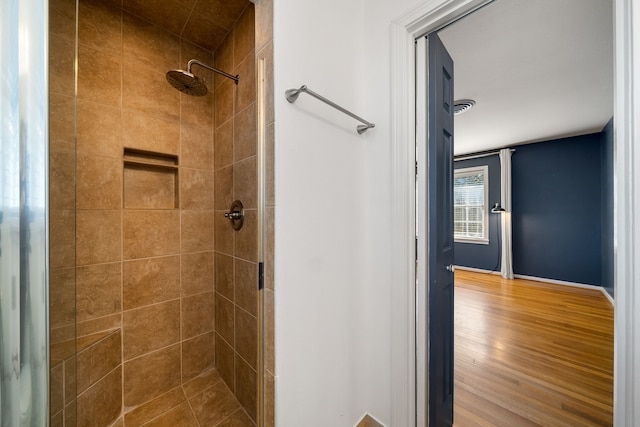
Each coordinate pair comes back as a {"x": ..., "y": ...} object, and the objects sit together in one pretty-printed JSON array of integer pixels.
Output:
[
  {"x": 236, "y": 214},
  {"x": 233, "y": 215}
]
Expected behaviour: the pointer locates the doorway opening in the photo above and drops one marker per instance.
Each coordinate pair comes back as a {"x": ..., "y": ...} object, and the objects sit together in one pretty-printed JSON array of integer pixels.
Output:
[{"x": 512, "y": 122}]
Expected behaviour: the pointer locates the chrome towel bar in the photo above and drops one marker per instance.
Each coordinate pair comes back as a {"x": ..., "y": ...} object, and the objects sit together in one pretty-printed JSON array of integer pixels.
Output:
[{"x": 292, "y": 95}]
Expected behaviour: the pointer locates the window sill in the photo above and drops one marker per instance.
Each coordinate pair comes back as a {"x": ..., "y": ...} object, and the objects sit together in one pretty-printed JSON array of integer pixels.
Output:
[{"x": 473, "y": 241}]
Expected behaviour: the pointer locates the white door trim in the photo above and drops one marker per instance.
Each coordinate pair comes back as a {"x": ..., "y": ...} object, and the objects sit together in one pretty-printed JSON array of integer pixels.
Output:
[
  {"x": 403, "y": 313},
  {"x": 421, "y": 293},
  {"x": 404, "y": 31},
  {"x": 627, "y": 206}
]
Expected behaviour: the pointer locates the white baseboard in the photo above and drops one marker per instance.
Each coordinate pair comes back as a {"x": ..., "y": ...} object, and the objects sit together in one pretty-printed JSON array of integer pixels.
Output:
[
  {"x": 564, "y": 283},
  {"x": 609, "y": 297},
  {"x": 542, "y": 279},
  {"x": 476, "y": 270}
]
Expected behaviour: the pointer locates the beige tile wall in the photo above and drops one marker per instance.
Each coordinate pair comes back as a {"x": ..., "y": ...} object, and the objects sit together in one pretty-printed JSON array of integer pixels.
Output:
[
  {"x": 135, "y": 264},
  {"x": 236, "y": 299},
  {"x": 62, "y": 217},
  {"x": 132, "y": 274}
]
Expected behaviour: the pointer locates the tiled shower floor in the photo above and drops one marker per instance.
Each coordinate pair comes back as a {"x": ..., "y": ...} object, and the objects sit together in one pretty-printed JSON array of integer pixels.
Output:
[{"x": 205, "y": 401}]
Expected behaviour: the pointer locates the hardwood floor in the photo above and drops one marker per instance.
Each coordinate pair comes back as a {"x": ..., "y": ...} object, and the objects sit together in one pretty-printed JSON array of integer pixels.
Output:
[{"x": 530, "y": 353}]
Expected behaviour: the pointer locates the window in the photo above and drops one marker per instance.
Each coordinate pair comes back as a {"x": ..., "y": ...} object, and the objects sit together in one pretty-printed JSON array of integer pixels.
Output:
[{"x": 470, "y": 213}]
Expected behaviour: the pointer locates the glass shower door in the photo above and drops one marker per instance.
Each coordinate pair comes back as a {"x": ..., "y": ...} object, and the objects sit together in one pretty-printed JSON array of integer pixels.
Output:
[{"x": 23, "y": 208}]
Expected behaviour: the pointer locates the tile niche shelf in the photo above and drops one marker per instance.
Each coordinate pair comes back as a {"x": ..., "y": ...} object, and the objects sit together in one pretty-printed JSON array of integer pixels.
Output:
[{"x": 150, "y": 180}]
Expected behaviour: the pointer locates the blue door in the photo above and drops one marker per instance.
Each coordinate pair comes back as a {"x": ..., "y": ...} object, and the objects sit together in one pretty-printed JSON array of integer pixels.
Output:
[{"x": 440, "y": 232}]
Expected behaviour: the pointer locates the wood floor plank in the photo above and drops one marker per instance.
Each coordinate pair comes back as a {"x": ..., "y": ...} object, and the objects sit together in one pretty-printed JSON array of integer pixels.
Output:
[{"x": 530, "y": 353}]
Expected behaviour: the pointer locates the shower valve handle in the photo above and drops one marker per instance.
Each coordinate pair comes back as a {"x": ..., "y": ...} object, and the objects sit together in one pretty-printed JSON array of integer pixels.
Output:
[
  {"x": 236, "y": 214},
  {"x": 233, "y": 215}
]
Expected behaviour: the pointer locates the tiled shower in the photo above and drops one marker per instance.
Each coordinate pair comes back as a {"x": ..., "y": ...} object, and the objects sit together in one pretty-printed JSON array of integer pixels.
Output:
[{"x": 153, "y": 296}]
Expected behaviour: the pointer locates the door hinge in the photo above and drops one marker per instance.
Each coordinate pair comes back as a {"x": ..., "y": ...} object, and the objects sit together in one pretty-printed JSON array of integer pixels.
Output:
[{"x": 260, "y": 276}]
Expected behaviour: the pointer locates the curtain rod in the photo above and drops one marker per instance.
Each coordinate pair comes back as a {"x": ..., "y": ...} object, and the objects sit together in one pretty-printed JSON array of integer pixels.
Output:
[{"x": 477, "y": 156}]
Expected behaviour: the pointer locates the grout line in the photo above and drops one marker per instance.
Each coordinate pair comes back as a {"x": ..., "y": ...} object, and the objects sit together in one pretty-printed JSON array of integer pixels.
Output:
[
  {"x": 254, "y": 103},
  {"x": 129, "y": 260},
  {"x": 198, "y": 293},
  {"x": 97, "y": 318},
  {"x": 97, "y": 381},
  {"x": 106, "y": 333},
  {"x": 150, "y": 258},
  {"x": 248, "y": 364},
  {"x": 63, "y": 325},
  {"x": 129, "y": 310},
  {"x": 230, "y": 301},
  {"x": 244, "y": 259},
  {"x": 198, "y": 336},
  {"x": 190, "y": 169},
  {"x": 137, "y": 209},
  {"x": 157, "y": 350},
  {"x": 230, "y": 415},
  {"x": 193, "y": 8},
  {"x": 180, "y": 209},
  {"x": 250, "y": 56},
  {"x": 142, "y": 18},
  {"x": 164, "y": 412},
  {"x": 191, "y": 407},
  {"x": 137, "y": 407},
  {"x": 215, "y": 127},
  {"x": 249, "y": 313},
  {"x": 226, "y": 254},
  {"x": 166, "y": 347},
  {"x": 225, "y": 341}
]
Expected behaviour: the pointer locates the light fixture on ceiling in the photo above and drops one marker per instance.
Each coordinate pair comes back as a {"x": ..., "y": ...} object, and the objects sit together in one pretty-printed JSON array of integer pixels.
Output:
[{"x": 462, "y": 105}]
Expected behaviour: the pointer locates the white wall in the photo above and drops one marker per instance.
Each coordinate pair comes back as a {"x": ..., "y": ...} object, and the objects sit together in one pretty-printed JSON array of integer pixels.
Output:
[
  {"x": 333, "y": 272},
  {"x": 320, "y": 208},
  {"x": 333, "y": 208},
  {"x": 319, "y": 259}
]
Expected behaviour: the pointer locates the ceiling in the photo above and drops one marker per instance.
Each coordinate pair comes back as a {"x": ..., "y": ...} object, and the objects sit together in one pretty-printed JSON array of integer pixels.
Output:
[
  {"x": 203, "y": 22},
  {"x": 538, "y": 70}
]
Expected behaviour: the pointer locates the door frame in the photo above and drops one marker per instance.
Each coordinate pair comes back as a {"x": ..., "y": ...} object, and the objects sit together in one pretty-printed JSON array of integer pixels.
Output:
[{"x": 404, "y": 375}]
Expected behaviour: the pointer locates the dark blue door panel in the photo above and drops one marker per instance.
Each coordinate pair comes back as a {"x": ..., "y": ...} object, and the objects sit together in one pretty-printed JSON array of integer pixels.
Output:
[{"x": 440, "y": 232}]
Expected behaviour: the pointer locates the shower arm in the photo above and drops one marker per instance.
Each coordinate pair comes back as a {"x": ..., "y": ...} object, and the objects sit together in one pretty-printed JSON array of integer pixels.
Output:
[{"x": 215, "y": 70}]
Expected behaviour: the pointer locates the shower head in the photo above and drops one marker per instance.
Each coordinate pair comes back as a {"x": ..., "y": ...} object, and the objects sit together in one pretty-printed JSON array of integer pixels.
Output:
[{"x": 187, "y": 82}]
